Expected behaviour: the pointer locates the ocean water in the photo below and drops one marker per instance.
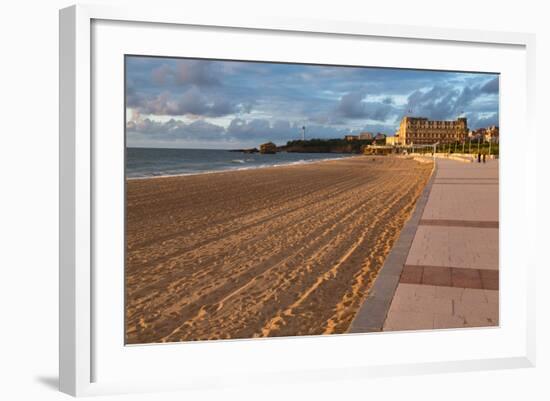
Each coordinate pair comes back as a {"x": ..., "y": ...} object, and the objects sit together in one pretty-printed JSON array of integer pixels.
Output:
[{"x": 149, "y": 162}]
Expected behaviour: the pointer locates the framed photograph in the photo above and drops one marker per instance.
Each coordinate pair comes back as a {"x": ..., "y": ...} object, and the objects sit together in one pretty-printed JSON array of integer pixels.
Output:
[{"x": 278, "y": 200}]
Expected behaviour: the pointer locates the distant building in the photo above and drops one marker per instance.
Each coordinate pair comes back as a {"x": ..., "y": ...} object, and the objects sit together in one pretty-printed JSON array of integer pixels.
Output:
[
  {"x": 420, "y": 130},
  {"x": 477, "y": 133},
  {"x": 366, "y": 136},
  {"x": 350, "y": 138},
  {"x": 392, "y": 140},
  {"x": 268, "y": 148},
  {"x": 379, "y": 137},
  {"x": 491, "y": 134}
]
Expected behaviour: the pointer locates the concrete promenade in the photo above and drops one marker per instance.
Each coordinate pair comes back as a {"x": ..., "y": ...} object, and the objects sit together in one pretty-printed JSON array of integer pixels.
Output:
[{"x": 443, "y": 271}]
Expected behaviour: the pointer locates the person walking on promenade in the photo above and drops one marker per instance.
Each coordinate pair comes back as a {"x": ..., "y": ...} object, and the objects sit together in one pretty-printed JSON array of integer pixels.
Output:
[
  {"x": 479, "y": 157},
  {"x": 484, "y": 157}
]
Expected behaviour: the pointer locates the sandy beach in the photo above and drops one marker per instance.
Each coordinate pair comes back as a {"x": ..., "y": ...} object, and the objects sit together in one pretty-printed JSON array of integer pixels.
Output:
[{"x": 279, "y": 251}]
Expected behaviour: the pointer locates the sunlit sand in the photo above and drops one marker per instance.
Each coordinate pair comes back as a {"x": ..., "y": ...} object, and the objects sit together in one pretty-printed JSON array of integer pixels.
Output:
[{"x": 280, "y": 251}]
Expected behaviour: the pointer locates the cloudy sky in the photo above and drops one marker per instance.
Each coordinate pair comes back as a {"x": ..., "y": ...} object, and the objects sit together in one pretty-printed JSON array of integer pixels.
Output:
[{"x": 189, "y": 103}]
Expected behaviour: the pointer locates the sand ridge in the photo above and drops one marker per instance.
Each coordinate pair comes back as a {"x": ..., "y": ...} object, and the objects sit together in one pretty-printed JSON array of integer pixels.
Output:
[{"x": 280, "y": 251}]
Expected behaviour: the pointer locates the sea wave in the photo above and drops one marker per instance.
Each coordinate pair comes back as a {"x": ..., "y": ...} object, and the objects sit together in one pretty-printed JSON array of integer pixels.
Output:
[{"x": 167, "y": 174}]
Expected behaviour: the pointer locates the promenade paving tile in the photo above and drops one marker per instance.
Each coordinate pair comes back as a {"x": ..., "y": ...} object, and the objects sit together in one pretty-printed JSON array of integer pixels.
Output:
[
  {"x": 409, "y": 321},
  {"x": 452, "y": 169},
  {"x": 462, "y": 202},
  {"x": 492, "y": 296},
  {"x": 416, "y": 307},
  {"x": 467, "y": 247},
  {"x": 450, "y": 277}
]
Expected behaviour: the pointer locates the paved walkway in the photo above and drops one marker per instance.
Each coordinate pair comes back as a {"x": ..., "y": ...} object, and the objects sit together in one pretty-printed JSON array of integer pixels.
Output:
[{"x": 446, "y": 276}]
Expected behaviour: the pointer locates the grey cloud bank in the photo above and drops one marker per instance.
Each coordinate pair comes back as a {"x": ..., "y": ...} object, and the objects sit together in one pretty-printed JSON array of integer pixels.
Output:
[{"x": 230, "y": 104}]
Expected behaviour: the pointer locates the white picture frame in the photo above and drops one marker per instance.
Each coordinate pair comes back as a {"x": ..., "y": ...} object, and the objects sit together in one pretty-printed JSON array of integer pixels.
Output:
[{"x": 79, "y": 344}]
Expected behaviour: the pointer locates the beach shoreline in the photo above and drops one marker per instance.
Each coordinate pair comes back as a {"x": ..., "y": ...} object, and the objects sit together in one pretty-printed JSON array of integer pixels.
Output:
[
  {"x": 262, "y": 252},
  {"x": 290, "y": 163}
]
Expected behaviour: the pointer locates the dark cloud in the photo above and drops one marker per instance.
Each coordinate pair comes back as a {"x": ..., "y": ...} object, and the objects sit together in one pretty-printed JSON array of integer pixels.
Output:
[
  {"x": 326, "y": 118},
  {"x": 443, "y": 102},
  {"x": 162, "y": 74},
  {"x": 491, "y": 86},
  {"x": 191, "y": 102},
  {"x": 437, "y": 103},
  {"x": 475, "y": 121},
  {"x": 253, "y": 128},
  {"x": 172, "y": 130},
  {"x": 466, "y": 97},
  {"x": 352, "y": 105},
  {"x": 263, "y": 130},
  {"x": 187, "y": 72}
]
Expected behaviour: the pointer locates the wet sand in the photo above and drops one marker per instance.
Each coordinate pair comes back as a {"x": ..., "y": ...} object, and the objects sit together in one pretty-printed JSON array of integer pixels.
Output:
[{"x": 279, "y": 251}]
